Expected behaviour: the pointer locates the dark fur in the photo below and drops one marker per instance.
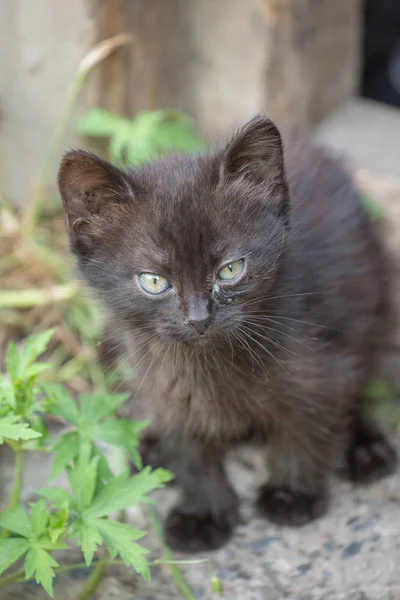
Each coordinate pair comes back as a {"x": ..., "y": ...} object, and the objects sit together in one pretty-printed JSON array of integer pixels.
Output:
[{"x": 289, "y": 348}]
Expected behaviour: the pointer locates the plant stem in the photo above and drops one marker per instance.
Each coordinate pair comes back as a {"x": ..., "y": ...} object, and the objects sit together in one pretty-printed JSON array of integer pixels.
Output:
[
  {"x": 19, "y": 576},
  {"x": 93, "y": 581},
  {"x": 96, "y": 55},
  {"x": 17, "y": 486},
  {"x": 37, "y": 297},
  {"x": 168, "y": 559},
  {"x": 35, "y": 206},
  {"x": 12, "y": 578},
  {"x": 19, "y": 473}
]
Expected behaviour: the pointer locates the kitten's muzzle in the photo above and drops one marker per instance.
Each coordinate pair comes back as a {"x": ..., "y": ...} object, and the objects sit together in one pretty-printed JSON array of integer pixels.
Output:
[{"x": 198, "y": 314}]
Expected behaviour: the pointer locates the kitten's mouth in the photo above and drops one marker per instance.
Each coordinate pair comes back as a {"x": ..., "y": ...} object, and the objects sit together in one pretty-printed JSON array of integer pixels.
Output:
[{"x": 196, "y": 340}]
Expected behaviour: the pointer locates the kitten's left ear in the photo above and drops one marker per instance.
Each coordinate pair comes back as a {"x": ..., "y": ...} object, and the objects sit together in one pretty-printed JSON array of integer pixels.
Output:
[{"x": 255, "y": 154}]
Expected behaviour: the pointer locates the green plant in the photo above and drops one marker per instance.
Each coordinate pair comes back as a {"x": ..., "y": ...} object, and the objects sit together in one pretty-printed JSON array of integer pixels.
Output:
[
  {"x": 80, "y": 514},
  {"x": 383, "y": 401},
  {"x": 374, "y": 210},
  {"x": 143, "y": 138},
  {"x": 98, "y": 53}
]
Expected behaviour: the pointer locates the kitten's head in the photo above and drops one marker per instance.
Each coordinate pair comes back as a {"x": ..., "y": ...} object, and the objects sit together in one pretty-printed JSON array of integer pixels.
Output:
[{"x": 187, "y": 246}]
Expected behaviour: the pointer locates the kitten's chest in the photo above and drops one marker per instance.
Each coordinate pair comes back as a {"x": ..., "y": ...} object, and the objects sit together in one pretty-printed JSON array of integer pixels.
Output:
[{"x": 206, "y": 397}]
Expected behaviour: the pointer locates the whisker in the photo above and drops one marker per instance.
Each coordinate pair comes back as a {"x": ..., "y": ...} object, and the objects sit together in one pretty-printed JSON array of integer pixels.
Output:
[
  {"x": 149, "y": 368},
  {"x": 252, "y": 353},
  {"x": 275, "y": 316},
  {"x": 144, "y": 342},
  {"x": 271, "y": 354},
  {"x": 276, "y": 344},
  {"x": 262, "y": 326},
  {"x": 126, "y": 359},
  {"x": 280, "y": 297}
]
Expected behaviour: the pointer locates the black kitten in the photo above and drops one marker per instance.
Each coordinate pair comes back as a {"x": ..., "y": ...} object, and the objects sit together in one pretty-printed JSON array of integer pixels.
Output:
[{"x": 251, "y": 294}]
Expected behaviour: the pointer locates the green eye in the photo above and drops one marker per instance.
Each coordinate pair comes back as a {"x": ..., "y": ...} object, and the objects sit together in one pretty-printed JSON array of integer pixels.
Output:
[
  {"x": 232, "y": 270},
  {"x": 153, "y": 284}
]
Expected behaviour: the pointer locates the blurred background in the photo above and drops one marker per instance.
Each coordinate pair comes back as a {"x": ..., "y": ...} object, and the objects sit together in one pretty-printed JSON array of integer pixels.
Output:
[{"x": 220, "y": 61}]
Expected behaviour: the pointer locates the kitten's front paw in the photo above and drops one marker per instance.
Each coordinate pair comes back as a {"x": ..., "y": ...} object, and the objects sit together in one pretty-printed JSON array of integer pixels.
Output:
[
  {"x": 370, "y": 460},
  {"x": 284, "y": 506},
  {"x": 189, "y": 532}
]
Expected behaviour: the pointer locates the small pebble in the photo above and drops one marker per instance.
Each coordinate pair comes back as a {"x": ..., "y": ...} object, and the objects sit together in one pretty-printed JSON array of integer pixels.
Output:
[
  {"x": 368, "y": 524},
  {"x": 329, "y": 547},
  {"x": 352, "y": 549},
  {"x": 304, "y": 568},
  {"x": 261, "y": 545}
]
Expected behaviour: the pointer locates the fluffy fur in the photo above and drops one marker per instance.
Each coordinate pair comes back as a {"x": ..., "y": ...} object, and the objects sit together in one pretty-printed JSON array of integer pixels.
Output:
[{"x": 288, "y": 346}]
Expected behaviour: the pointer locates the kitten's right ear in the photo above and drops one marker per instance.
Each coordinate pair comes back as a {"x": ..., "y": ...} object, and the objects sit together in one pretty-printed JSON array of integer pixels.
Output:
[{"x": 95, "y": 196}]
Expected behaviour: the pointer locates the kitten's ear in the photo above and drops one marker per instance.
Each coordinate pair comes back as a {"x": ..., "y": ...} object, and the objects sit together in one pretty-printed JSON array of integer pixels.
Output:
[
  {"x": 95, "y": 195},
  {"x": 255, "y": 153}
]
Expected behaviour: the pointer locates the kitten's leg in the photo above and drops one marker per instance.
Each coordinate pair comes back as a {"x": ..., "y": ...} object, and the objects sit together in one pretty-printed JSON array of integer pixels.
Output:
[
  {"x": 300, "y": 461},
  {"x": 205, "y": 518},
  {"x": 369, "y": 456},
  {"x": 154, "y": 451}
]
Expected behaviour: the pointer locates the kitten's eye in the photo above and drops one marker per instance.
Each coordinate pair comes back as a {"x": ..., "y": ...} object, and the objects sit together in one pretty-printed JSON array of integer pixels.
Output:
[
  {"x": 232, "y": 270},
  {"x": 153, "y": 284}
]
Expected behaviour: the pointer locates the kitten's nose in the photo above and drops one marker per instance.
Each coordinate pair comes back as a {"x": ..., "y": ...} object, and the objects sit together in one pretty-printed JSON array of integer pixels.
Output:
[
  {"x": 200, "y": 325},
  {"x": 198, "y": 314}
]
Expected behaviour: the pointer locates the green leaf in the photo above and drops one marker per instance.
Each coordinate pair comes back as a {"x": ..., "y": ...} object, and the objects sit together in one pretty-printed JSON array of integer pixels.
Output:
[
  {"x": 378, "y": 389},
  {"x": 60, "y": 403},
  {"x": 104, "y": 470},
  {"x": 40, "y": 565},
  {"x": 99, "y": 122},
  {"x": 56, "y": 495},
  {"x": 12, "y": 361},
  {"x": 10, "y": 551},
  {"x": 66, "y": 449},
  {"x": 36, "y": 369},
  {"x": 7, "y": 395},
  {"x": 34, "y": 346},
  {"x": 147, "y": 136},
  {"x": 374, "y": 210},
  {"x": 118, "y": 142},
  {"x": 58, "y": 524},
  {"x": 135, "y": 457},
  {"x": 37, "y": 425},
  {"x": 39, "y": 517},
  {"x": 47, "y": 544},
  {"x": 89, "y": 539},
  {"x": 216, "y": 586},
  {"x": 16, "y": 520},
  {"x": 82, "y": 476},
  {"x": 119, "y": 539},
  {"x": 123, "y": 492},
  {"x": 123, "y": 432},
  {"x": 97, "y": 406},
  {"x": 11, "y": 428}
]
